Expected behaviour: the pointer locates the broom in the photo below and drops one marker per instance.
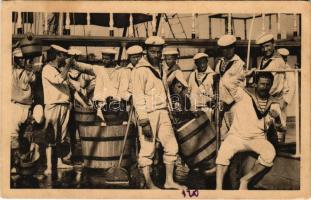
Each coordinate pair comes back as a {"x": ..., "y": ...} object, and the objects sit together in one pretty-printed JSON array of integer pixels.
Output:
[{"x": 118, "y": 176}]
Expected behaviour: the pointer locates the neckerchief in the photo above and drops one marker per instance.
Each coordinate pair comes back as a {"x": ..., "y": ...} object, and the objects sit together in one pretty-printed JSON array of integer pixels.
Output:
[
  {"x": 199, "y": 82},
  {"x": 226, "y": 68},
  {"x": 74, "y": 78},
  {"x": 144, "y": 63},
  {"x": 207, "y": 72},
  {"x": 264, "y": 66}
]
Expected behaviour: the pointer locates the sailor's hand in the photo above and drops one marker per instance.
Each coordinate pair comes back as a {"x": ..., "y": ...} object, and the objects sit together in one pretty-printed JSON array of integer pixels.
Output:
[
  {"x": 70, "y": 62},
  {"x": 28, "y": 67},
  {"x": 196, "y": 114},
  {"x": 275, "y": 110},
  {"x": 211, "y": 103},
  {"x": 249, "y": 72},
  {"x": 146, "y": 128}
]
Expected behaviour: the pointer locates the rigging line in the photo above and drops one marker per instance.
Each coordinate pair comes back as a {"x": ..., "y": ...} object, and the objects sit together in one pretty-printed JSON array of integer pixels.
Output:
[
  {"x": 249, "y": 42},
  {"x": 86, "y": 51}
]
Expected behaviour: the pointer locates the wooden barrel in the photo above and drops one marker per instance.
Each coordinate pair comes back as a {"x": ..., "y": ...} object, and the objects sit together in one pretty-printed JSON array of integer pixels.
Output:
[
  {"x": 85, "y": 115},
  {"x": 197, "y": 142},
  {"x": 102, "y": 145}
]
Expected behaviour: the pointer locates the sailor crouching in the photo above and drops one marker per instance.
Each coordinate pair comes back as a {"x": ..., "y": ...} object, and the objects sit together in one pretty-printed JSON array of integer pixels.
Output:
[{"x": 253, "y": 113}]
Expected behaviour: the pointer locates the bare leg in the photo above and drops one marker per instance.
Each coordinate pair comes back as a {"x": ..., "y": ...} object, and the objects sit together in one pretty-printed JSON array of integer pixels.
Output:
[
  {"x": 220, "y": 173},
  {"x": 170, "y": 183},
  {"x": 148, "y": 179},
  {"x": 48, "y": 170},
  {"x": 254, "y": 171},
  {"x": 61, "y": 165}
]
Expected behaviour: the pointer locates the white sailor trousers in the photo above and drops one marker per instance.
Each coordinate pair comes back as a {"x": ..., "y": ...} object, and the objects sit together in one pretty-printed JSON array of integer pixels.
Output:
[
  {"x": 163, "y": 132},
  {"x": 20, "y": 113},
  {"x": 57, "y": 116},
  {"x": 234, "y": 144}
]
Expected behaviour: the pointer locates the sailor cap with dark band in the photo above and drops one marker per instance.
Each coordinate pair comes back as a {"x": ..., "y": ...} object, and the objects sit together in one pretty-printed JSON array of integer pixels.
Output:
[
  {"x": 264, "y": 38},
  {"x": 170, "y": 51},
  {"x": 59, "y": 48},
  {"x": 154, "y": 41},
  {"x": 200, "y": 55},
  {"x": 134, "y": 50},
  {"x": 109, "y": 51},
  {"x": 226, "y": 41},
  {"x": 283, "y": 52}
]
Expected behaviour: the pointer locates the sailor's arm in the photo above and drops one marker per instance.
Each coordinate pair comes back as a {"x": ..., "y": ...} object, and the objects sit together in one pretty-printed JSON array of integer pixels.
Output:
[
  {"x": 290, "y": 88},
  {"x": 139, "y": 83},
  {"x": 124, "y": 85},
  {"x": 82, "y": 67},
  {"x": 232, "y": 84}
]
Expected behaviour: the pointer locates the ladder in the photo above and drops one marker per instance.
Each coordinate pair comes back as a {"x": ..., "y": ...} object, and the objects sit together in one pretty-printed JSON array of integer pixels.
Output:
[{"x": 169, "y": 20}]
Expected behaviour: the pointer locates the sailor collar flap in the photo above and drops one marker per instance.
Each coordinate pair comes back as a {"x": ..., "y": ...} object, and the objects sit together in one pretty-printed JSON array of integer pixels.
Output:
[
  {"x": 146, "y": 64},
  {"x": 207, "y": 72},
  {"x": 260, "y": 114},
  {"x": 268, "y": 61},
  {"x": 229, "y": 64}
]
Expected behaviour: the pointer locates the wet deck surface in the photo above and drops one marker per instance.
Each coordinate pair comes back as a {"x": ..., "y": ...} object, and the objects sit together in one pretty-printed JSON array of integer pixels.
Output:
[{"x": 79, "y": 177}]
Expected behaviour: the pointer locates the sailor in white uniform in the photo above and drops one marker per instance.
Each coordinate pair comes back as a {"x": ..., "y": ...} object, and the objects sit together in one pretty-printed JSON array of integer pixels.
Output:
[
  {"x": 201, "y": 84},
  {"x": 150, "y": 101}
]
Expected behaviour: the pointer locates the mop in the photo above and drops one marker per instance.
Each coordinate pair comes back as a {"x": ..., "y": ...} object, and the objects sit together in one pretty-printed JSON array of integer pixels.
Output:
[{"x": 118, "y": 176}]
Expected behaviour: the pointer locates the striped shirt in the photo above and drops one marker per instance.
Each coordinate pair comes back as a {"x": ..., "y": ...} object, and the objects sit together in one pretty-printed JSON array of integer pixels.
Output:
[{"x": 262, "y": 104}]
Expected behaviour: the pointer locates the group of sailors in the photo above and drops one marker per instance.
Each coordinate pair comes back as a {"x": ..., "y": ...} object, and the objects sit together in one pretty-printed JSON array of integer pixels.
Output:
[{"x": 161, "y": 95}]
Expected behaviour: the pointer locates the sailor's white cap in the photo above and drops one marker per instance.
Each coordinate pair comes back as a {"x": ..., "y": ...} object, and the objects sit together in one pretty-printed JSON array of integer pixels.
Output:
[
  {"x": 74, "y": 52},
  {"x": 59, "y": 48},
  {"x": 265, "y": 37},
  {"x": 17, "y": 53},
  {"x": 283, "y": 52},
  {"x": 155, "y": 40},
  {"x": 136, "y": 49},
  {"x": 200, "y": 55},
  {"x": 226, "y": 40},
  {"x": 179, "y": 76},
  {"x": 109, "y": 51},
  {"x": 38, "y": 114},
  {"x": 170, "y": 51}
]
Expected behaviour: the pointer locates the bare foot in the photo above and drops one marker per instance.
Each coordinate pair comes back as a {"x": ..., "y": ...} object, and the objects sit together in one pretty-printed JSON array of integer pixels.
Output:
[
  {"x": 13, "y": 170},
  {"x": 243, "y": 185},
  {"x": 47, "y": 172},
  {"x": 152, "y": 186},
  {"x": 174, "y": 185},
  {"x": 61, "y": 165}
]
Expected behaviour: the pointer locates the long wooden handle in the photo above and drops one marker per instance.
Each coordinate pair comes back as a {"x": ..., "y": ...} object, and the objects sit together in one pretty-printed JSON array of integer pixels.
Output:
[{"x": 126, "y": 134}]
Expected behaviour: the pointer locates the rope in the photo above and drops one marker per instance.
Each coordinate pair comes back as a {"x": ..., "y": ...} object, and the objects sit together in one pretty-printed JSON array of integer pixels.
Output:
[{"x": 249, "y": 42}]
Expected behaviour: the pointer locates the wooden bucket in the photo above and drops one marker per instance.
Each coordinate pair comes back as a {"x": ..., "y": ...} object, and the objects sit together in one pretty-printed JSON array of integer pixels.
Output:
[
  {"x": 102, "y": 145},
  {"x": 197, "y": 142},
  {"x": 85, "y": 115}
]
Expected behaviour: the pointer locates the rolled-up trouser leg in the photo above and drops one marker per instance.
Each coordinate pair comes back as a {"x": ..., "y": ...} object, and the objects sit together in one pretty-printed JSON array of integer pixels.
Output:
[
  {"x": 20, "y": 113},
  {"x": 167, "y": 138},
  {"x": 265, "y": 150}
]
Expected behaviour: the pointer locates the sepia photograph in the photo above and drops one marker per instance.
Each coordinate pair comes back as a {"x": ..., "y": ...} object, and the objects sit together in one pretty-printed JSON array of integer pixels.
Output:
[{"x": 193, "y": 101}]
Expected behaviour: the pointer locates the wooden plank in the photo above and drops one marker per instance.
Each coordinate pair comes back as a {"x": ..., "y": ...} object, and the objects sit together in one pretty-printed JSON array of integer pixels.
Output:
[{"x": 117, "y": 41}]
